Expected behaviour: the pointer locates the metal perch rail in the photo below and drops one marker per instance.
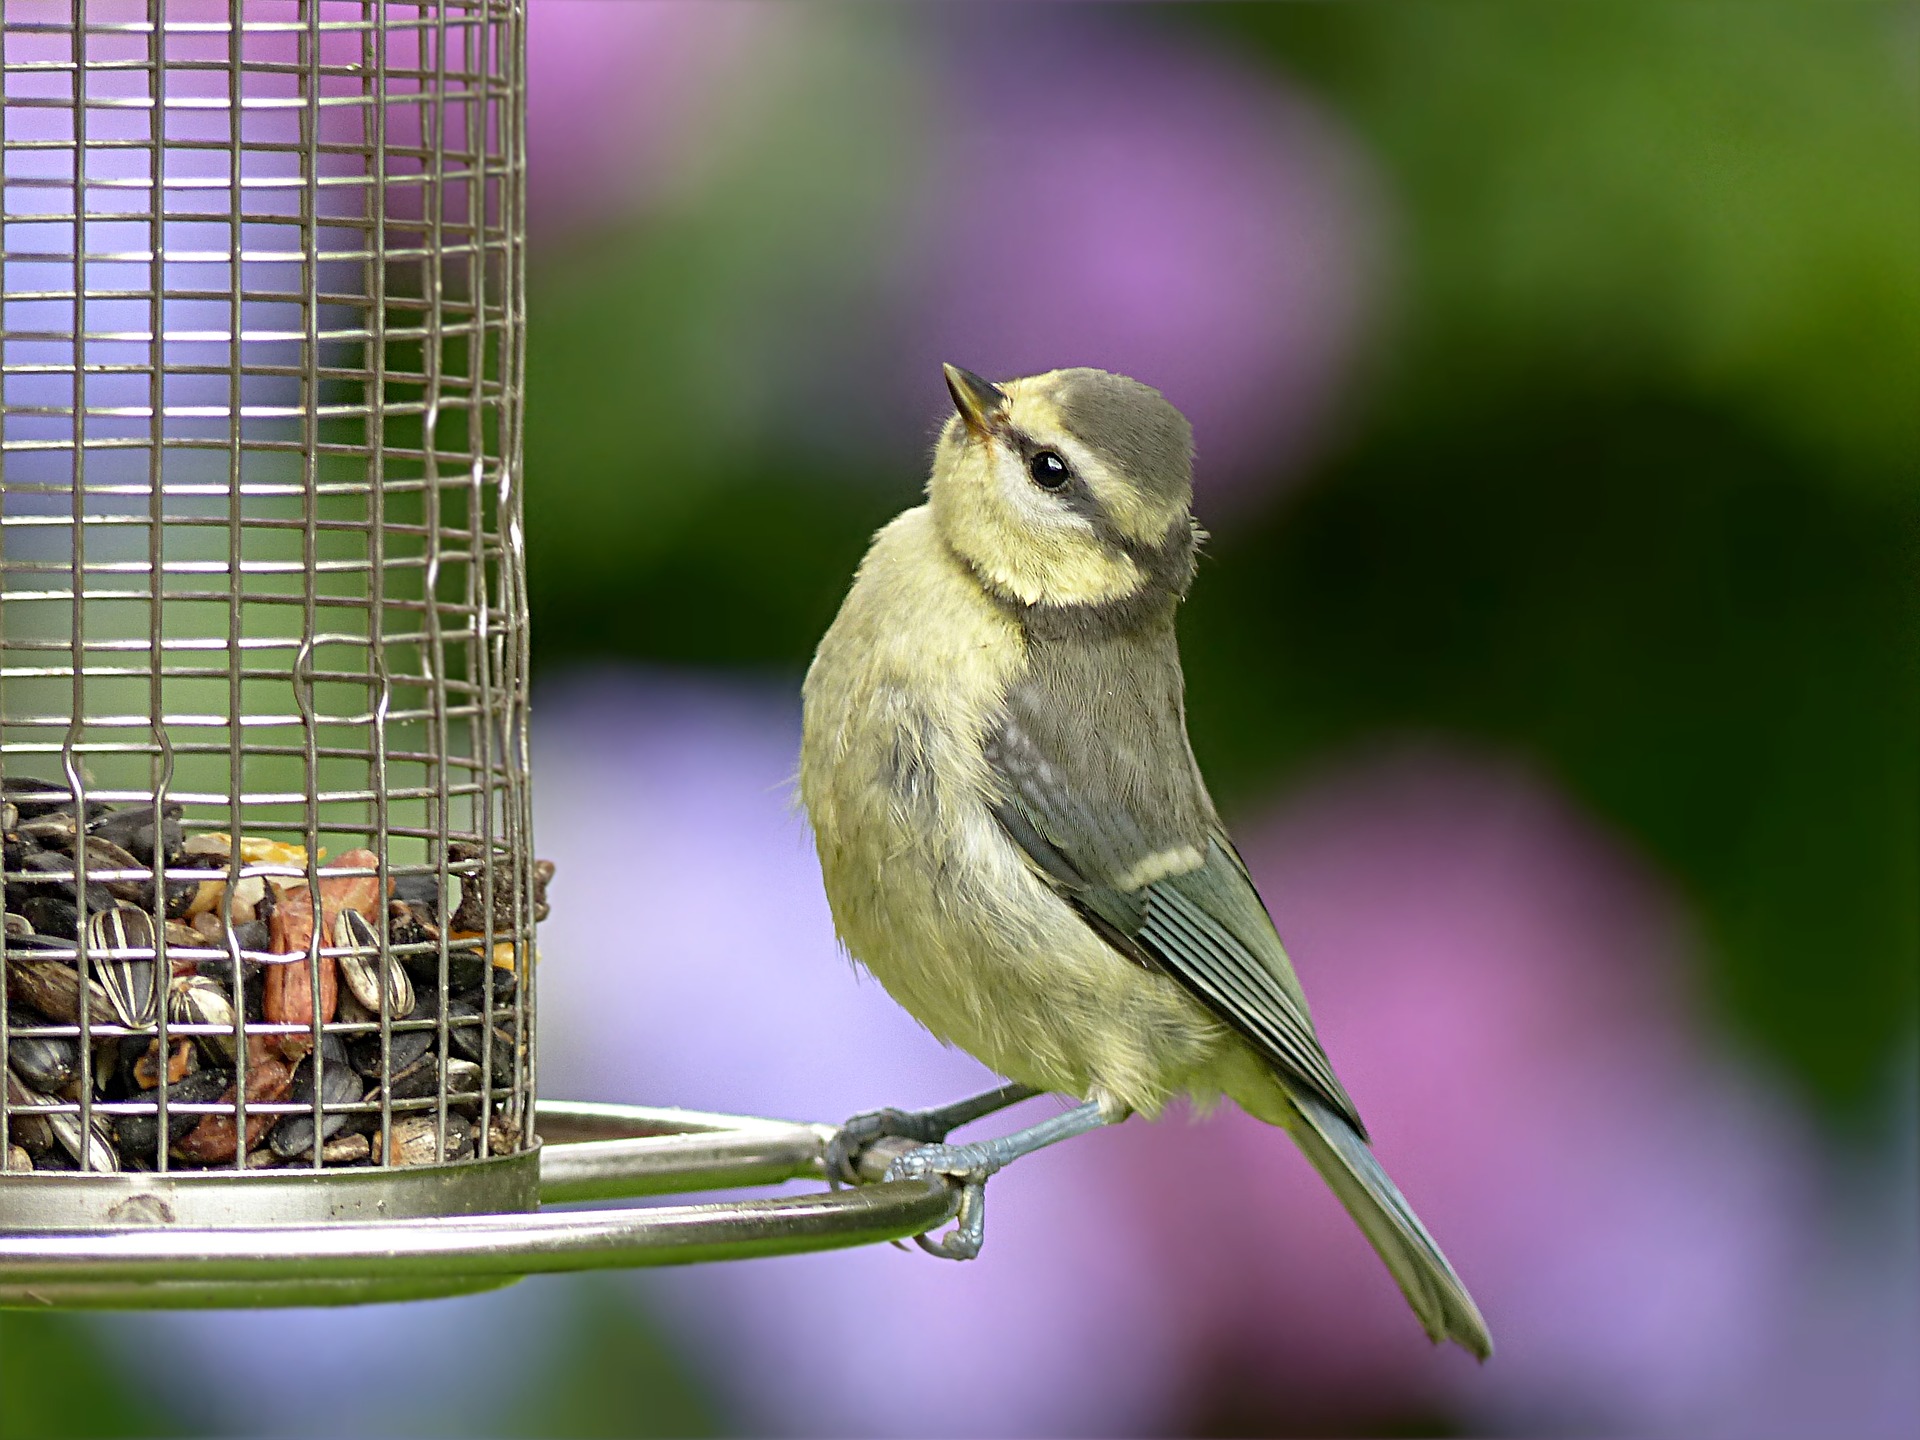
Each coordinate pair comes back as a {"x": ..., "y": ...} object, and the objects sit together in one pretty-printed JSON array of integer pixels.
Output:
[{"x": 594, "y": 1152}]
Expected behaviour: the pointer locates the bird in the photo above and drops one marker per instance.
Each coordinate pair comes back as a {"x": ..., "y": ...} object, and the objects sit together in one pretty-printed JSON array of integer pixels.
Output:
[{"x": 1015, "y": 838}]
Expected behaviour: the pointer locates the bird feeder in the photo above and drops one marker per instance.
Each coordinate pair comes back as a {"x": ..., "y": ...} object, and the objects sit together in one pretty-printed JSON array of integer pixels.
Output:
[{"x": 272, "y": 899}]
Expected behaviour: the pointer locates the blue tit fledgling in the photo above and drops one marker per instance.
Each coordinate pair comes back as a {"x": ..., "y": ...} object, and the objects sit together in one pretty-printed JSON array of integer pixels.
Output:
[{"x": 1015, "y": 838}]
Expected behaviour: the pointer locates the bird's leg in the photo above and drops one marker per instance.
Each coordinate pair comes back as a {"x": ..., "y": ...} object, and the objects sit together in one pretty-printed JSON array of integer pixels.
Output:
[
  {"x": 972, "y": 1164},
  {"x": 927, "y": 1126}
]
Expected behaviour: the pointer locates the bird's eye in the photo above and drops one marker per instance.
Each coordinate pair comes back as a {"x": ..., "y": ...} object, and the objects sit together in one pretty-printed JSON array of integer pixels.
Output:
[{"x": 1048, "y": 470}]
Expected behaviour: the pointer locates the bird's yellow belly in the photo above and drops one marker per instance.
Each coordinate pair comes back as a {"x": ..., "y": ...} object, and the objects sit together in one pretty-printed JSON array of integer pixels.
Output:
[
  {"x": 988, "y": 958},
  {"x": 927, "y": 891}
]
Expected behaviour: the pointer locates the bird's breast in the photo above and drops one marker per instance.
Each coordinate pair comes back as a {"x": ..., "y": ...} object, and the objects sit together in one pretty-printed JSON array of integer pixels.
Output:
[
  {"x": 924, "y": 887},
  {"x": 904, "y": 686},
  {"x": 927, "y": 890}
]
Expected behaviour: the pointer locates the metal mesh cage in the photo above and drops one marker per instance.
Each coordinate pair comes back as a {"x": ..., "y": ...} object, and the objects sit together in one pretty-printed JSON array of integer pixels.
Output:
[
  {"x": 270, "y": 895},
  {"x": 263, "y": 630}
]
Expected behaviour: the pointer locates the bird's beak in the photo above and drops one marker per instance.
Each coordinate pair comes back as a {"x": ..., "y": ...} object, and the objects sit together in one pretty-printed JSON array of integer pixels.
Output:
[{"x": 980, "y": 402}]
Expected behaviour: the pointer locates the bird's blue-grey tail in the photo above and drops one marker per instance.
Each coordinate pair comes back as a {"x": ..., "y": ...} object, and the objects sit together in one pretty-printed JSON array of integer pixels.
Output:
[{"x": 1383, "y": 1215}]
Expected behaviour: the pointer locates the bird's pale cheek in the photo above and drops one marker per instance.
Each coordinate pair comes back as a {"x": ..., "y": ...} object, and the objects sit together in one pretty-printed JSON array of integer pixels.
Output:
[
  {"x": 1018, "y": 540},
  {"x": 1091, "y": 575}
]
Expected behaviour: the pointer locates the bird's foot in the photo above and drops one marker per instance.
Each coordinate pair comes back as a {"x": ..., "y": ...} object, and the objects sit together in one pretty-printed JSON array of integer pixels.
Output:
[
  {"x": 853, "y": 1139},
  {"x": 970, "y": 1165},
  {"x": 926, "y": 1127}
]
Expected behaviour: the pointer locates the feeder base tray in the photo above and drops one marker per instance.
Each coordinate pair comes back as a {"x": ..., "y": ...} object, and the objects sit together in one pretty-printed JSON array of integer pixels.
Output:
[{"x": 226, "y": 1199}]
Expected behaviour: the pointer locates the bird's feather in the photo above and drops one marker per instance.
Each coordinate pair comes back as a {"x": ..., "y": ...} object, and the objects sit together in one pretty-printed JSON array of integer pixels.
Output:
[
  {"x": 1432, "y": 1288},
  {"x": 1100, "y": 790}
]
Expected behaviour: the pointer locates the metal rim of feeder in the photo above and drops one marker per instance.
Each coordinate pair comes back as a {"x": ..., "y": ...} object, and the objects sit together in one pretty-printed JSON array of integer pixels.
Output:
[{"x": 262, "y": 592}]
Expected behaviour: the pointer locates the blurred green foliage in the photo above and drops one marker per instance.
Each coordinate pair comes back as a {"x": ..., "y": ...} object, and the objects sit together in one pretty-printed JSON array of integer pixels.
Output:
[
  {"x": 689, "y": 521},
  {"x": 1718, "y": 667},
  {"x": 612, "y": 1374},
  {"x": 1630, "y": 491},
  {"x": 1704, "y": 198},
  {"x": 606, "y": 1371},
  {"x": 1639, "y": 498},
  {"x": 56, "y": 1380}
]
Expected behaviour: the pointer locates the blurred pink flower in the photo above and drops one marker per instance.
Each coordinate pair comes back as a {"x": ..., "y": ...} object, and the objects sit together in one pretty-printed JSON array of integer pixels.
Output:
[
  {"x": 1011, "y": 188},
  {"x": 1502, "y": 988},
  {"x": 624, "y": 102}
]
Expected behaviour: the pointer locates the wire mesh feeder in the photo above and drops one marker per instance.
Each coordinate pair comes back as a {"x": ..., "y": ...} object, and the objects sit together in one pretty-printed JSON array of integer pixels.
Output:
[{"x": 269, "y": 879}]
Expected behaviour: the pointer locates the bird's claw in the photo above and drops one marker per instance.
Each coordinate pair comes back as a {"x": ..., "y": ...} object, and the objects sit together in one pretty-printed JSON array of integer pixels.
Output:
[
  {"x": 851, "y": 1140},
  {"x": 965, "y": 1165}
]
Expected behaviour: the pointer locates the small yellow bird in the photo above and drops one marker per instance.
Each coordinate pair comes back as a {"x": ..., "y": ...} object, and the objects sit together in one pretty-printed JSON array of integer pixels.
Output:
[{"x": 1015, "y": 838}]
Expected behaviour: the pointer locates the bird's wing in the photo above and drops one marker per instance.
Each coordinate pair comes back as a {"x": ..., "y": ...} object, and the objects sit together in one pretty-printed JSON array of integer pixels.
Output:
[{"x": 1098, "y": 787}]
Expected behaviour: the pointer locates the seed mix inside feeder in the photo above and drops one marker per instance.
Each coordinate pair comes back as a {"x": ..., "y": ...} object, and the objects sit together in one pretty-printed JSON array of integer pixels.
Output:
[{"x": 396, "y": 1055}]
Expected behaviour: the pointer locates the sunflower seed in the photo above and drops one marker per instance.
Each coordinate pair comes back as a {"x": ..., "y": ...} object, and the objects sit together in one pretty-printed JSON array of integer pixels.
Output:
[
  {"x": 354, "y": 1149},
  {"x": 139, "y": 1131},
  {"x": 362, "y": 965},
  {"x": 44, "y": 1062},
  {"x": 404, "y": 1047},
  {"x": 28, "y": 1129},
  {"x": 120, "y": 945},
  {"x": 132, "y": 830},
  {"x": 463, "y": 1034},
  {"x": 196, "y": 1000},
  {"x": 416, "y": 1140},
  {"x": 93, "y": 1142},
  {"x": 293, "y": 1136}
]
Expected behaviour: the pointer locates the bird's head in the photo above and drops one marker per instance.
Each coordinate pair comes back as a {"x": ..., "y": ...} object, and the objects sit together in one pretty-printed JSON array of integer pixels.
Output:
[{"x": 1067, "y": 489}]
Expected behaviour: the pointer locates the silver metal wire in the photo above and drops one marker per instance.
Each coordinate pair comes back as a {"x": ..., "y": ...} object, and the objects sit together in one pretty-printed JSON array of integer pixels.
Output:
[
  {"x": 260, "y": 549},
  {"x": 312, "y": 1256}
]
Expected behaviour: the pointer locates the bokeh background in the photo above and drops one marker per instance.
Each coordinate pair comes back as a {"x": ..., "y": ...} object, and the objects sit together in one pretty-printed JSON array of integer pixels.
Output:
[{"x": 1554, "y": 376}]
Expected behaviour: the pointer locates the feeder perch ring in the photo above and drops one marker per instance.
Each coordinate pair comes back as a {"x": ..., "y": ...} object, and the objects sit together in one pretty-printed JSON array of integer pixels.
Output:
[{"x": 588, "y": 1152}]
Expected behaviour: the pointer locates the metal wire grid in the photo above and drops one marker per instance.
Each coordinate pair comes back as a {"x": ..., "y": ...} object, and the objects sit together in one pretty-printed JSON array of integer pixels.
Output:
[{"x": 260, "y": 540}]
